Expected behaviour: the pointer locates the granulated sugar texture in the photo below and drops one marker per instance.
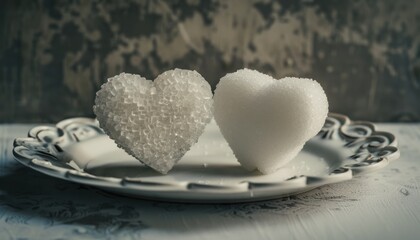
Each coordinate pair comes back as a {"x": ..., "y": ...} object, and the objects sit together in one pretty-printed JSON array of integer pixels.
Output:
[
  {"x": 156, "y": 122},
  {"x": 267, "y": 121}
]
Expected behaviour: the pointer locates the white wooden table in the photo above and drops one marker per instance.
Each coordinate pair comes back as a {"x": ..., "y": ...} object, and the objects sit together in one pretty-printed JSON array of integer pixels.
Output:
[{"x": 380, "y": 205}]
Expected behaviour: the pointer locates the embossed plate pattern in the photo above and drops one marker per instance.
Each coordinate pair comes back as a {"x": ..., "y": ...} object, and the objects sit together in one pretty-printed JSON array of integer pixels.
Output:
[{"x": 77, "y": 150}]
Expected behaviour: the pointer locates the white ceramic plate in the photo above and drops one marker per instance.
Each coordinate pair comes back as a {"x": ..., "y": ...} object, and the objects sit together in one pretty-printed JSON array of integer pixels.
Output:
[{"x": 77, "y": 150}]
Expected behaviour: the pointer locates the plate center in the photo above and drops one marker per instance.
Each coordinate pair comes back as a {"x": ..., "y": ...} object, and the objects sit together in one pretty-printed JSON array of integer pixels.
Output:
[{"x": 209, "y": 161}]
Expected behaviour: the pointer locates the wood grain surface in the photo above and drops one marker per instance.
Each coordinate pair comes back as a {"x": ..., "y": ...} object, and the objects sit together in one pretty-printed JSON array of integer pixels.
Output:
[{"x": 380, "y": 205}]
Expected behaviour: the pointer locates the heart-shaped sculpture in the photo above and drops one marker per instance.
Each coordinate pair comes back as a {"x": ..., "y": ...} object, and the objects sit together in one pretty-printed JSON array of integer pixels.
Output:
[
  {"x": 267, "y": 121},
  {"x": 155, "y": 121}
]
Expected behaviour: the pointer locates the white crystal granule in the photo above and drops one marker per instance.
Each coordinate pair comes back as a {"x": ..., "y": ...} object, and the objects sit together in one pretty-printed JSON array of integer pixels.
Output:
[{"x": 156, "y": 122}]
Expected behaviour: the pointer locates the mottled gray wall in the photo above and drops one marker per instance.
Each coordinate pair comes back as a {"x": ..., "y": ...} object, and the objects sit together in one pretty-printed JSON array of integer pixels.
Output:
[{"x": 54, "y": 55}]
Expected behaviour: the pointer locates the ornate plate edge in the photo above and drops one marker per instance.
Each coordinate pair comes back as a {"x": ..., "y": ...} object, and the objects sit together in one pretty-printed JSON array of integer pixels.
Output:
[{"x": 375, "y": 149}]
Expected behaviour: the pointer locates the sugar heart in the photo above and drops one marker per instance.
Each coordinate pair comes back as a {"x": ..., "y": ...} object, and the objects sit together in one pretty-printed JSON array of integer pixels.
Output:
[
  {"x": 156, "y": 122},
  {"x": 267, "y": 121}
]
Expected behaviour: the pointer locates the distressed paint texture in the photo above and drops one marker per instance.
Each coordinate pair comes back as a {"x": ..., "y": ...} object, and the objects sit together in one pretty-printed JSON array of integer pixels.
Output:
[
  {"x": 54, "y": 55},
  {"x": 379, "y": 205}
]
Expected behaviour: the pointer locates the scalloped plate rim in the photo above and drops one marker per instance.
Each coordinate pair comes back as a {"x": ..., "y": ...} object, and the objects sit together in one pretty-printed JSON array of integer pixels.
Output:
[{"x": 201, "y": 192}]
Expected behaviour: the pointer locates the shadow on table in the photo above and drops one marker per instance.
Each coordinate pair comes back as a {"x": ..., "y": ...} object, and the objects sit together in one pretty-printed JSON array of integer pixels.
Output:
[{"x": 29, "y": 197}]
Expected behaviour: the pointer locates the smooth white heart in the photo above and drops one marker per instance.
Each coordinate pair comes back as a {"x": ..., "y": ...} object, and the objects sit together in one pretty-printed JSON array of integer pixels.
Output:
[
  {"x": 267, "y": 121},
  {"x": 156, "y": 122}
]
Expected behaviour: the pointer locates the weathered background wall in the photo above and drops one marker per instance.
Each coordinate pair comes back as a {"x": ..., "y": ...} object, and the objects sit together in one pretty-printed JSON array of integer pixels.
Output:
[{"x": 54, "y": 55}]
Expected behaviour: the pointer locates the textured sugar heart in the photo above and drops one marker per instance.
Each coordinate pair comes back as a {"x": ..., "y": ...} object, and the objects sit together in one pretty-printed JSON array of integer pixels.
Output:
[
  {"x": 267, "y": 121},
  {"x": 155, "y": 121}
]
